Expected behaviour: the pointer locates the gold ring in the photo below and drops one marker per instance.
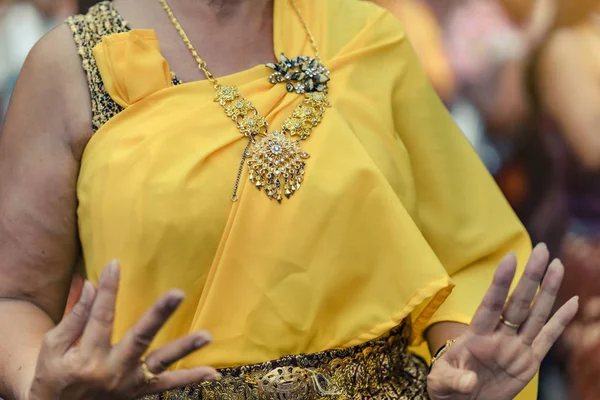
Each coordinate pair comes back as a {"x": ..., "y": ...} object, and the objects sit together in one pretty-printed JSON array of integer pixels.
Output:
[
  {"x": 149, "y": 377},
  {"x": 509, "y": 324}
]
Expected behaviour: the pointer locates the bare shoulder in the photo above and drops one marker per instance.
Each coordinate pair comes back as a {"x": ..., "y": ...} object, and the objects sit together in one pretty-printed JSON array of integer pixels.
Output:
[
  {"x": 47, "y": 127},
  {"x": 52, "y": 91}
]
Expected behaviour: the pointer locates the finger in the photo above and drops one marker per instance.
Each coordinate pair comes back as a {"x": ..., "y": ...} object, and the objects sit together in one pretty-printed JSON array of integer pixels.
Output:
[
  {"x": 69, "y": 330},
  {"x": 181, "y": 378},
  {"x": 75, "y": 290},
  {"x": 543, "y": 303},
  {"x": 161, "y": 359},
  {"x": 554, "y": 328},
  {"x": 98, "y": 331},
  {"x": 488, "y": 314},
  {"x": 446, "y": 380},
  {"x": 138, "y": 339},
  {"x": 519, "y": 303}
]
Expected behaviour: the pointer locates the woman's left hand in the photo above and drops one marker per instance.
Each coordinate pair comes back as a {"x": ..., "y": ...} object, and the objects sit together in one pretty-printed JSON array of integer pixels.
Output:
[{"x": 502, "y": 350}]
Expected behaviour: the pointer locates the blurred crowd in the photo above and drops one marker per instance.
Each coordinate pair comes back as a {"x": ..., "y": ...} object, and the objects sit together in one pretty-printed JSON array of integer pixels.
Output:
[{"x": 522, "y": 80}]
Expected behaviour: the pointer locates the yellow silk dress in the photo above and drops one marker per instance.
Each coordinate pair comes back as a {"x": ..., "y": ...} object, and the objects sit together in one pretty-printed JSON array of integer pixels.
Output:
[
  {"x": 425, "y": 33},
  {"x": 396, "y": 219}
]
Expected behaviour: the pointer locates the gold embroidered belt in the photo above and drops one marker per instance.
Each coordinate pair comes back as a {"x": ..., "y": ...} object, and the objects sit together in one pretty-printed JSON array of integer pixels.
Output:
[{"x": 380, "y": 369}]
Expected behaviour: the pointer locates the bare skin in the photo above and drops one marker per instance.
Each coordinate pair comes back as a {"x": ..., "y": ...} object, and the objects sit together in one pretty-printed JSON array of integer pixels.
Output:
[
  {"x": 567, "y": 77},
  {"x": 39, "y": 162},
  {"x": 494, "y": 361},
  {"x": 234, "y": 35},
  {"x": 44, "y": 356},
  {"x": 47, "y": 128}
]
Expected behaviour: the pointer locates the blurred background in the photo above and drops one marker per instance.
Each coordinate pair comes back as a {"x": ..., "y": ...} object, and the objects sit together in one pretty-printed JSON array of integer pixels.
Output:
[{"x": 522, "y": 80}]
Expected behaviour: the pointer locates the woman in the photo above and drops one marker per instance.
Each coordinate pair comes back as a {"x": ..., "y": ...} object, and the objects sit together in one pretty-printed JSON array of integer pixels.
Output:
[
  {"x": 314, "y": 297},
  {"x": 566, "y": 72}
]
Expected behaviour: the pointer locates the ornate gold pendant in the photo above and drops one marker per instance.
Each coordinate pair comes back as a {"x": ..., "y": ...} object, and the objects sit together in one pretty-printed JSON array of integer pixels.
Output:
[
  {"x": 276, "y": 165},
  {"x": 275, "y": 162}
]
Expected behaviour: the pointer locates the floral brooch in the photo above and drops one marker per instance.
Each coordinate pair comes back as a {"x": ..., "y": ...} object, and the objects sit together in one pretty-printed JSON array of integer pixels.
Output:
[{"x": 301, "y": 74}]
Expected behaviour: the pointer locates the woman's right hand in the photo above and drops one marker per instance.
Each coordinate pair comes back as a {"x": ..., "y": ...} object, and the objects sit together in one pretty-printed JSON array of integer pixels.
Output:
[{"x": 78, "y": 361}]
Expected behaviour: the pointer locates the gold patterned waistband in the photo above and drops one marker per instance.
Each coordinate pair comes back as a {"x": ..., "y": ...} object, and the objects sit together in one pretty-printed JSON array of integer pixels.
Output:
[{"x": 380, "y": 369}]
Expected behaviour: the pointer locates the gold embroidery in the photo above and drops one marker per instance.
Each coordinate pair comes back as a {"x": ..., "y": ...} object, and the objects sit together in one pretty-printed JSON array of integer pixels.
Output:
[
  {"x": 88, "y": 30},
  {"x": 377, "y": 370}
]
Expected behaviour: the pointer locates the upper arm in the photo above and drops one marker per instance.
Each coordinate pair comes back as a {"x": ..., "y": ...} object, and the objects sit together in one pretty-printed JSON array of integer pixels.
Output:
[
  {"x": 39, "y": 150},
  {"x": 570, "y": 92}
]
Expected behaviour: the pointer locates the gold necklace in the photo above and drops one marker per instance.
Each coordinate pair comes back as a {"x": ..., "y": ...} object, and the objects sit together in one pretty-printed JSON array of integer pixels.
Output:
[{"x": 275, "y": 161}]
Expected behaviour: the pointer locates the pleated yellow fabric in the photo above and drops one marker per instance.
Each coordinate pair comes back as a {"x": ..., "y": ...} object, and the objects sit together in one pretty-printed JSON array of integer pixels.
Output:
[
  {"x": 132, "y": 56},
  {"x": 395, "y": 212}
]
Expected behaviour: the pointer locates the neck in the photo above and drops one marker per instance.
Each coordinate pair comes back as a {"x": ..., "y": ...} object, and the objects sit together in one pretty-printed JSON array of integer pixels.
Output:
[
  {"x": 227, "y": 9},
  {"x": 224, "y": 3}
]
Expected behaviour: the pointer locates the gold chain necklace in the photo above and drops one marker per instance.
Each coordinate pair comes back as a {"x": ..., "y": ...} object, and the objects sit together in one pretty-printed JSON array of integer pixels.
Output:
[{"x": 275, "y": 161}]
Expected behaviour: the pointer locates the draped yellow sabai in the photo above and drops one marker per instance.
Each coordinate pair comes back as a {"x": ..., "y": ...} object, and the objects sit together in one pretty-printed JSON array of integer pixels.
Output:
[
  {"x": 425, "y": 33},
  {"x": 396, "y": 210}
]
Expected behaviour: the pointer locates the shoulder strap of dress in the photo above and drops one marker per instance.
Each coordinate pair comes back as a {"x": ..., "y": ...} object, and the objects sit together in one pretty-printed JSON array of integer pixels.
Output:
[{"x": 88, "y": 30}]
